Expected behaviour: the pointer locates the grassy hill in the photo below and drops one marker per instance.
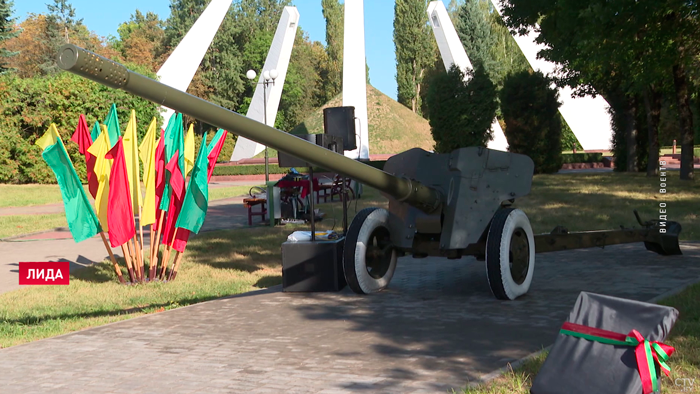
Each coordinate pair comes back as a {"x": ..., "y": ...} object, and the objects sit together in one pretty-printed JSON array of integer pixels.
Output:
[{"x": 393, "y": 128}]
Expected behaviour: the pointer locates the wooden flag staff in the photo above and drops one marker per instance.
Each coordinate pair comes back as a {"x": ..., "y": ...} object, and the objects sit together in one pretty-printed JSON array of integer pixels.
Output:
[
  {"x": 127, "y": 258},
  {"x": 166, "y": 255},
  {"x": 140, "y": 247},
  {"x": 176, "y": 265},
  {"x": 114, "y": 259},
  {"x": 154, "y": 249}
]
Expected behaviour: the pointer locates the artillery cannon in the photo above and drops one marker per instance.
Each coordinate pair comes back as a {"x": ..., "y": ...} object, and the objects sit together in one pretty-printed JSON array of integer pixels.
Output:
[{"x": 448, "y": 205}]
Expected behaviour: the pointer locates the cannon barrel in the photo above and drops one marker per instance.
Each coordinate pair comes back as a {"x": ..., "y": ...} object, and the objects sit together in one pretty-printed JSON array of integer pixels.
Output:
[{"x": 107, "y": 72}]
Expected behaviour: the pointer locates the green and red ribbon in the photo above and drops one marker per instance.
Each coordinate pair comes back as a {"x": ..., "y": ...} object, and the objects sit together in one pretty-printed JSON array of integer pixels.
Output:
[{"x": 647, "y": 352}]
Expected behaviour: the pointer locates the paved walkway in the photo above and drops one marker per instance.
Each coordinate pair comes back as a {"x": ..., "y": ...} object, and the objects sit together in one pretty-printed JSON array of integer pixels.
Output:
[{"x": 436, "y": 328}]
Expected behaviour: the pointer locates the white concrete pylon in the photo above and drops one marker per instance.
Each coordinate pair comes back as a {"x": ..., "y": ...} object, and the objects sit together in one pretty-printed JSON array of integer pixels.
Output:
[
  {"x": 355, "y": 74},
  {"x": 587, "y": 117},
  {"x": 179, "y": 69},
  {"x": 452, "y": 52},
  {"x": 277, "y": 59}
]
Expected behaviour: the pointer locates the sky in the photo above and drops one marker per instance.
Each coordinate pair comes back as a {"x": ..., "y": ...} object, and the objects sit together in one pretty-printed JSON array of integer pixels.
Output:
[{"x": 103, "y": 17}]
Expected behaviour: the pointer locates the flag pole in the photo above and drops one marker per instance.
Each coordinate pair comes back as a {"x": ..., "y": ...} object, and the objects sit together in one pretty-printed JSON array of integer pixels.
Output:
[
  {"x": 133, "y": 245},
  {"x": 153, "y": 267},
  {"x": 176, "y": 265},
  {"x": 166, "y": 255},
  {"x": 128, "y": 262},
  {"x": 114, "y": 259},
  {"x": 134, "y": 261},
  {"x": 141, "y": 246}
]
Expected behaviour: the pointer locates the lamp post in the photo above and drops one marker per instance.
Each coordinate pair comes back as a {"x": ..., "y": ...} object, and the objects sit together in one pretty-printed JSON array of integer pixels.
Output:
[{"x": 269, "y": 77}]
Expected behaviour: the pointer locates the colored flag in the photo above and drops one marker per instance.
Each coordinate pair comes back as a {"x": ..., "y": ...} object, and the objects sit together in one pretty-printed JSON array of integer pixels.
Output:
[
  {"x": 112, "y": 123},
  {"x": 103, "y": 167},
  {"x": 130, "y": 142},
  {"x": 81, "y": 219},
  {"x": 194, "y": 207},
  {"x": 147, "y": 153},
  {"x": 96, "y": 130},
  {"x": 160, "y": 176},
  {"x": 82, "y": 137},
  {"x": 215, "y": 146},
  {"x": 177, "y": 183},
  {"x": 120, "y": 214},
  {"x": 189, "y": 150},
  {"x": 174, "y": 143}
]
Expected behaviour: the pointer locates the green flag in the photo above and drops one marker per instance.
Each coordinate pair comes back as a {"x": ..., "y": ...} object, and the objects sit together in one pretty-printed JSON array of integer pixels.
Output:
[
  {"x": 112, "y": 123},
  {"x": 215, "y": 140},
  {"x": 82, "y": 221},
  {"x": 174, "y": 142},
  {"x": 194, "y": 207},
  {"x": 96, "y": 130}
]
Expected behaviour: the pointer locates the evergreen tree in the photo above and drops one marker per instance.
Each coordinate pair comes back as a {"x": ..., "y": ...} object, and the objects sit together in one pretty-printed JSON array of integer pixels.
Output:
[
  {"x": 7, "y": 31},
  {"x": 413, "y": 41},
  {"x": 475, "y": 33},
  {"x": 533, "y": 125},
  {"x": 61, "y": 25},
  {"x": 333, "y": 12},
  {"x": 461, "y": 112}
]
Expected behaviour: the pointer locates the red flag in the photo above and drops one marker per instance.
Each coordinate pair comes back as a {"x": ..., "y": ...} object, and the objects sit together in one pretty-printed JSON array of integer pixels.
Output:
[
  {"x": 214, "y": 154},
  {"x": 177, "y": 184},
  {"x": 183, "y": 235},
  {"x": 120, "y": 214},
  {"x": 82, "y": 137},
  {"x": 160, "y": 176}
]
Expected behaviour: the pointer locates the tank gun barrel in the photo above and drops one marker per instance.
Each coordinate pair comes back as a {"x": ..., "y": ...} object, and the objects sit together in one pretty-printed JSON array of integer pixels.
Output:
[{"x": 107, "y": 72}]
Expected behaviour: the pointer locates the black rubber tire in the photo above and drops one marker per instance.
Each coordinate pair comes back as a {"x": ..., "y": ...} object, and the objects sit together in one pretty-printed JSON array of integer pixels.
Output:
[
  {"x": 505, "y": 223},
  {"x": 367, "y": 223}
]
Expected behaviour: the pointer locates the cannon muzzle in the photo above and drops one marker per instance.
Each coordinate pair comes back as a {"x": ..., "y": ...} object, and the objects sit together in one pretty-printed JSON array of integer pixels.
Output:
[{"x": 104, "y": 71}]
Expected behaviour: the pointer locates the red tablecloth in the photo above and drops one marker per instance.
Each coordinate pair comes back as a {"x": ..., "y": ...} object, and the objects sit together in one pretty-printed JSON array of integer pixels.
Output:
[{"x": 304, "y": 184}]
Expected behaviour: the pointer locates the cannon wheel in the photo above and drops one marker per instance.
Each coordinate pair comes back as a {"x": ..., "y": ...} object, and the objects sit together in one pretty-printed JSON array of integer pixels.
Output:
[
  {"x": 369, "y": 258},
  {"x": 510, "y": 254}
]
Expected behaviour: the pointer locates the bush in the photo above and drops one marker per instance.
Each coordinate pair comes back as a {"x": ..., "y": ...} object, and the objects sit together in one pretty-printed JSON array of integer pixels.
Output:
[
  {"x": 582, "y": 157},
  {"x": 461, "y": 113},
  {"x": 29, "y": 105},
  {"x": 533, "y": 126}
]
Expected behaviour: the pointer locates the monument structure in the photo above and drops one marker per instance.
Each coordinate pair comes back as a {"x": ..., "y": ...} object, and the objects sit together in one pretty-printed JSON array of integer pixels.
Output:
[
  {"x": 355, "y": 75},
  {"x": 277, "y": 59},
  {"x": 452, "y": 52},
  {"x": 179, "y": 69},
  {"x": 587, "y": 116}
]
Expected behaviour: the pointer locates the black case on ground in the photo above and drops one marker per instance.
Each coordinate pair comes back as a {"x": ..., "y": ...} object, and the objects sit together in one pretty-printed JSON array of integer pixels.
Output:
[{"x": 579, "y": 366}]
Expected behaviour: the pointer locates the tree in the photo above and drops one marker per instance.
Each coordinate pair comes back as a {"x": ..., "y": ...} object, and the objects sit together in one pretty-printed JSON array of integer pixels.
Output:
[
  {"x": 7, "y": 31},
  {"x": 461, "y": 112},
  {"x": 605, "y": 45},
  {"x": 413, "y": 42},
  {"x": 333, "y": 12},
  {"x": 140, "y": 38},
  {"x": 475, "y": 33},
  {"x": 533, "y": 124}
]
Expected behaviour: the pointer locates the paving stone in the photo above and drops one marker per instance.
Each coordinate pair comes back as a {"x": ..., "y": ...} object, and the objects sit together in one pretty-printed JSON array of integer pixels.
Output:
[{"x": 437, "y": 327}]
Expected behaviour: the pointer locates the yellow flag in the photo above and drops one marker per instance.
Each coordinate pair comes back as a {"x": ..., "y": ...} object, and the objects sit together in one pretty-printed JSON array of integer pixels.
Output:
[
  {"x": 132, "y": 162},
  {"x": 147, "y": 153},
  {"x": 103, "y": 167},
  {"x": 49, "y": 138},
  {"x": 189, "y": 150}
]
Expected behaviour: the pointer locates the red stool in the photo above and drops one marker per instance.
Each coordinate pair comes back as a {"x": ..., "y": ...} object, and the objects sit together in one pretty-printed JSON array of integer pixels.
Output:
[{"x": 250, "y": 203}]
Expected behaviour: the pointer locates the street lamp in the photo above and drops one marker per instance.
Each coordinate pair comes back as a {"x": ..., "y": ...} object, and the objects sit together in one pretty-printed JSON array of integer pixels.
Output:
[{"x": 269, "y": 77}]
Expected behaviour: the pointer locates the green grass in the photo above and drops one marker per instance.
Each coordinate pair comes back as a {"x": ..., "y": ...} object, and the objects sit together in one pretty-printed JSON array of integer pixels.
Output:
[
  {"x": 28, "y": 195},
  {"x": 605, "y": 201},
  {"x": 218, "y": 193},
  {"x": 684, "y": 363},
  {"x": 24, "y": 224},
  {"x": 393, "y": 128}
]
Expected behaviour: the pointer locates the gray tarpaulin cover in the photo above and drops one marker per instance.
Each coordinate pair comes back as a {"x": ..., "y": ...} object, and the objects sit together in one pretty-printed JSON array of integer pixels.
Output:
[{"x": 579, "y": 366}]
